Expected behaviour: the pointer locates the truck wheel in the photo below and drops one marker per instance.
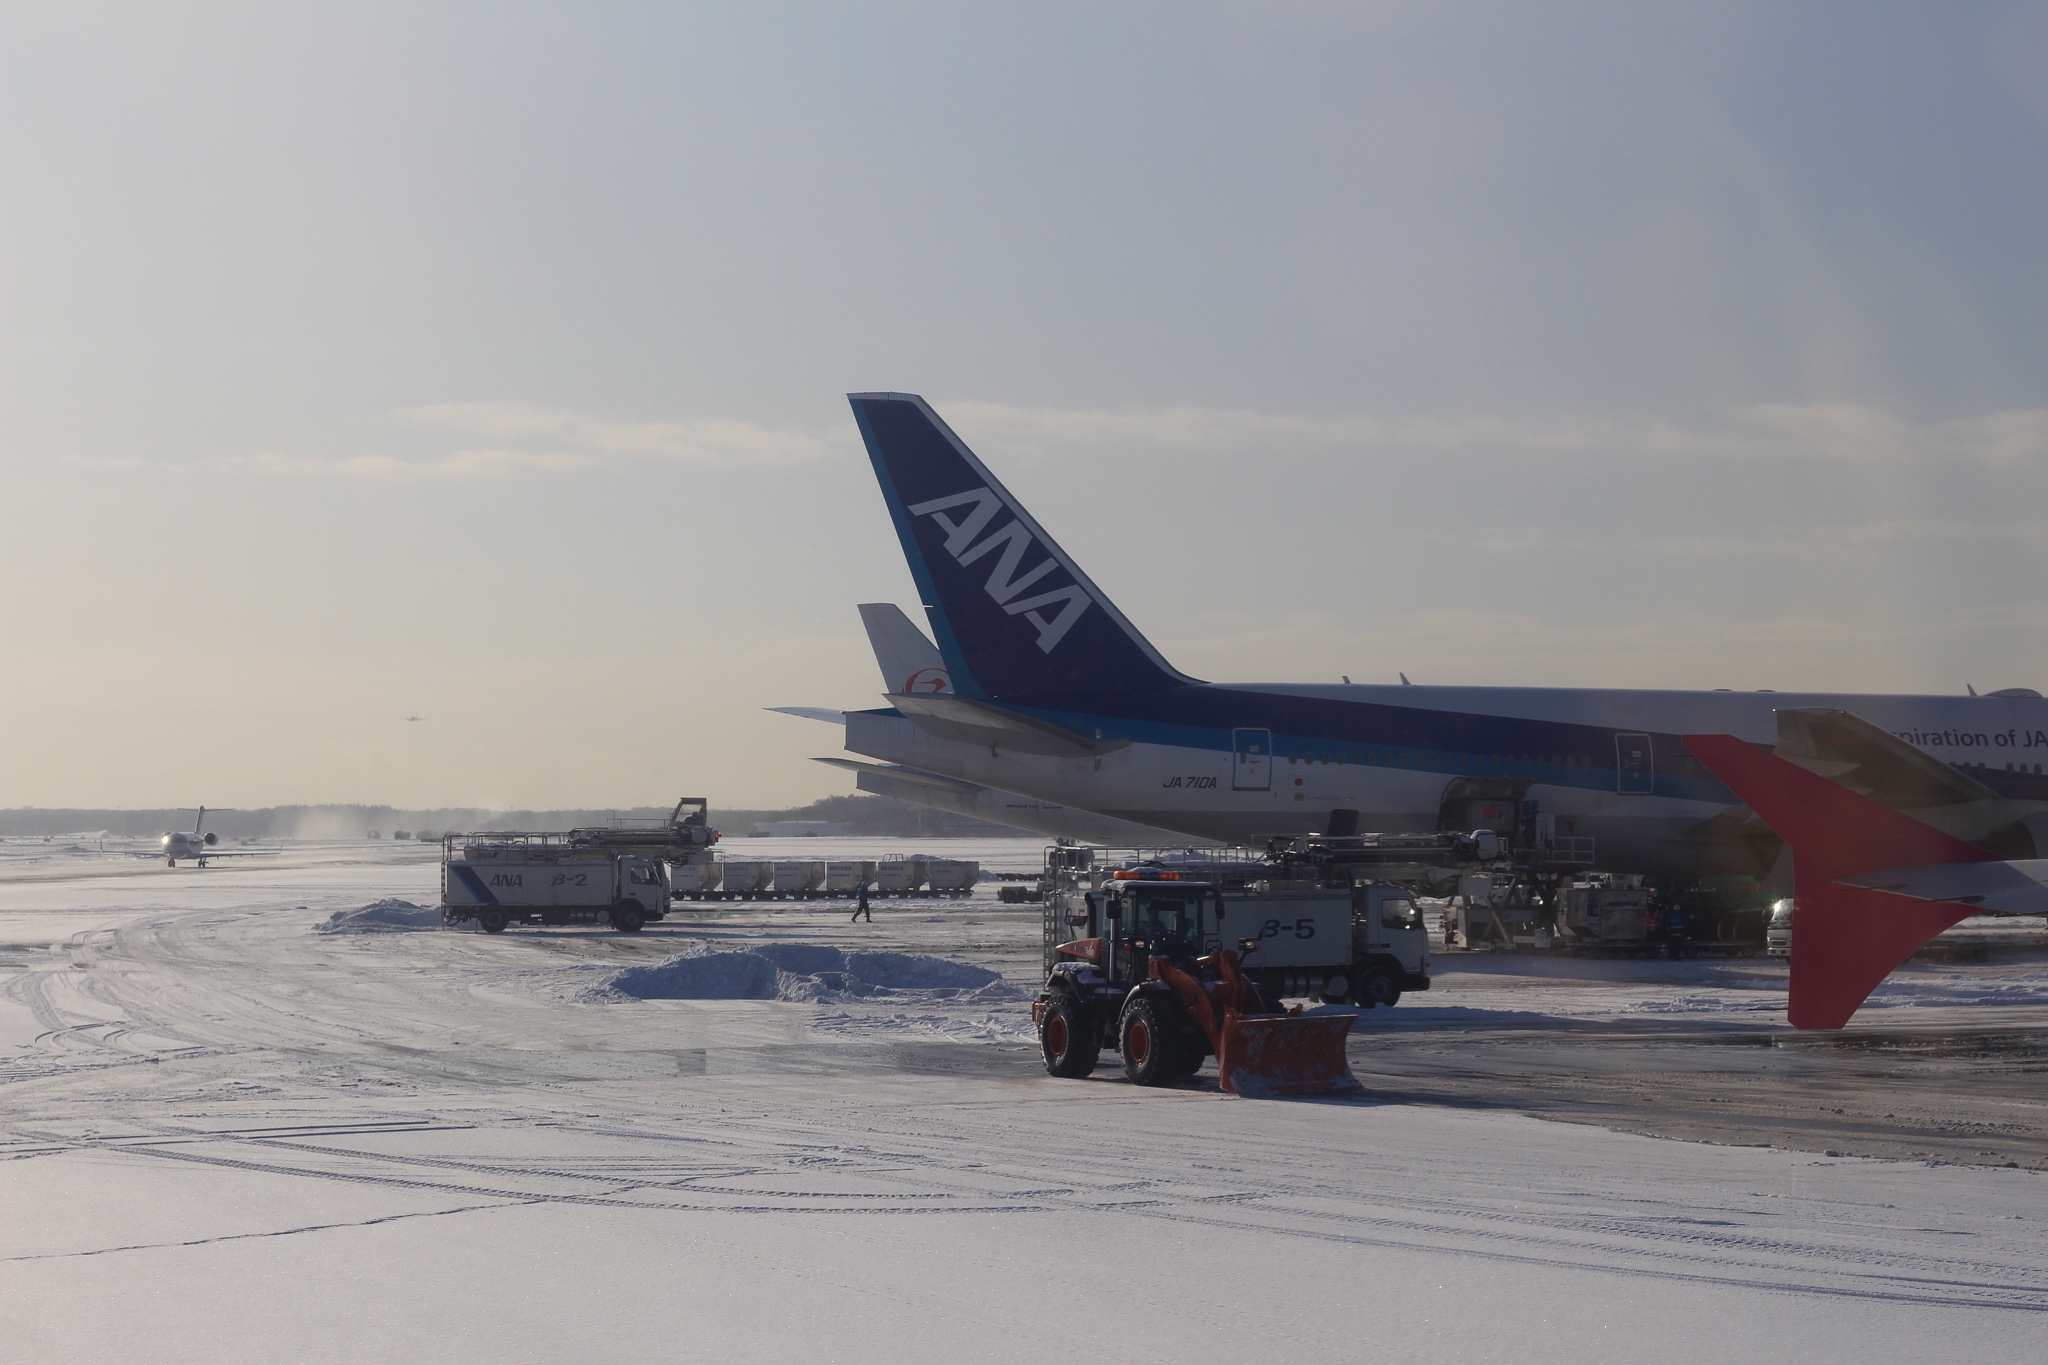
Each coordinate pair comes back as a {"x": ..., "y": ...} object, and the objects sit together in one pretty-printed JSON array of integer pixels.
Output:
[
  {"x": 1378, "y": 987},
  {"x": 1149, "y": 1036},
  {"x": 492, "y": 919},
  {"x": 1067, "y": 1038},
  {"x": 627, "y": 918}
]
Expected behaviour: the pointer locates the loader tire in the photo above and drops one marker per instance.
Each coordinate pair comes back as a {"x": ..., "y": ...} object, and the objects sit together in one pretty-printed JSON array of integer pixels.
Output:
[
  {"x": 1150, "y": 1038},
  {"x": 1378, "y": 987},
  {"x": 627, "y": 918},
  {"x": 1067, "y": 1038},
  {"x": 492, "y": 919}
]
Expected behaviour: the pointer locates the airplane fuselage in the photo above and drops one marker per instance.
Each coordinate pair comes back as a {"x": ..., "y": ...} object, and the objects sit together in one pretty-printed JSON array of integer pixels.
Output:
[
  {"x": 1056, "y": 695},
  {"x": 1239, "y": 763}
]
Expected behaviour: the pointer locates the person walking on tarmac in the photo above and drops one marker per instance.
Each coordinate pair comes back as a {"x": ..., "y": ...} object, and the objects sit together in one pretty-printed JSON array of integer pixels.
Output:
[{"x": 860, "y": 906}]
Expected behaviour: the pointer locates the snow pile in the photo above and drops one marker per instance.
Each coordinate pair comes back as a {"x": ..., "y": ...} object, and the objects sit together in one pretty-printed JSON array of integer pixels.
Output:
[
  {"x": 385, "y": 916},
  {"x": 800, "y": 972},
  {"x": 1947, "y": 989}
]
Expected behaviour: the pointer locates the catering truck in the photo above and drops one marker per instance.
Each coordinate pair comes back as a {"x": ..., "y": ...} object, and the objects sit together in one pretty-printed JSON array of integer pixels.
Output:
[{"x": 499, "y": 878}]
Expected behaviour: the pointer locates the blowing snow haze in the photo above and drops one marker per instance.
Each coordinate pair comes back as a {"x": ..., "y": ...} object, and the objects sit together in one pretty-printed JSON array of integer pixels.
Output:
[{"x": 374, "y": 361}]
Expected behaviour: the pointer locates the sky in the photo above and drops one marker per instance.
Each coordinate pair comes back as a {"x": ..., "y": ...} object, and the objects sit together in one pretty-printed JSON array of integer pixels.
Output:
[{"x": 487, "y": 363}]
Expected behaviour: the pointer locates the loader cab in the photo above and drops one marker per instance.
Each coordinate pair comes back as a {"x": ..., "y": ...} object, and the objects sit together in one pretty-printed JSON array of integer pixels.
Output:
[{"x": 1142, "y": 919}]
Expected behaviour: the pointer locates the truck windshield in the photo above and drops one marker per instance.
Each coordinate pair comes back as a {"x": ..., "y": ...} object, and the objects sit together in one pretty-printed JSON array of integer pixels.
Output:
[
  {"x": 1781, "y": 914},
  {"x": 1398, "y": 912}
]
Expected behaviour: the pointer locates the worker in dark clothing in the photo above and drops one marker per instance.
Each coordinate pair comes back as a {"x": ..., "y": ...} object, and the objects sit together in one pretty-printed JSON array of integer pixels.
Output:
[{"x": 860, "y": 906}]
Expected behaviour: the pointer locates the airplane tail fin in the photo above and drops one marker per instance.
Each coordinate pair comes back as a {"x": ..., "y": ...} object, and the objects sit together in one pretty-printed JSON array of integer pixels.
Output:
[
  {"x": 1845, "y": 939},
  {"x": 909, "y": 662},
  {"x": 1014, "y": 616}
]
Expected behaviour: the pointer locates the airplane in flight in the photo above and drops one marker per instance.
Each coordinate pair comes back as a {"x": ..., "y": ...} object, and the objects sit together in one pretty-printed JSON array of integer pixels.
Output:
[
  {"x": 1872, "y": 883},
  {"x": 1052, "y": 693},
  {"x": 196, "y": 846}
]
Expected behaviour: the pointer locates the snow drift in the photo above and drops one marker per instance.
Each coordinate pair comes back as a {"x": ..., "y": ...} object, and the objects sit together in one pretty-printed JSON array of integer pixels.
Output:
[
  {"x": 801, "y": 972},
  {"x": 379, "y": 917}
]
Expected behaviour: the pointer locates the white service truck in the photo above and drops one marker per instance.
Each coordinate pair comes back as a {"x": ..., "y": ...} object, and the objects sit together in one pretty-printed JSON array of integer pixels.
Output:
[{"x": 496, "y": 879}]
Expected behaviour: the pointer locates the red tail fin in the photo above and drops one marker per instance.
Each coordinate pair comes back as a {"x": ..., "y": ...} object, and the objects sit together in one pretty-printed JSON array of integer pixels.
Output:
[{"x": 1845, "y": 939}]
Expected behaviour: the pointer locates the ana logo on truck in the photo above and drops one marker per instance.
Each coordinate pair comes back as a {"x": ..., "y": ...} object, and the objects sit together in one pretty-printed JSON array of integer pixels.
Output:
[
  {"x": 1005, "y": 580},
  {"x": 508, "y": 879}
]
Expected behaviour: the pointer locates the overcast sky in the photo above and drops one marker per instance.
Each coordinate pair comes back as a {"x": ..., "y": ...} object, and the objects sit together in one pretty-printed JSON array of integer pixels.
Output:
[{"x": 486, "y": 363}]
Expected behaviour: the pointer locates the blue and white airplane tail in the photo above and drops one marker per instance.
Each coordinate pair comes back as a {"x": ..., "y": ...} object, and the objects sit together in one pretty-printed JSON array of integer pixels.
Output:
[{"x": 1014, "y": 616}]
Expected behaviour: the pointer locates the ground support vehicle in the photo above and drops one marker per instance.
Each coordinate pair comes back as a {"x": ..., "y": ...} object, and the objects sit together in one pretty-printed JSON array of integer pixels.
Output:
[
  {"x": 684, "y": 837},
  {"x": 801, "y": 880},
  {"x": 1778, "y": 929},
  {"x": 1337, "y": 941},
  {"x": 1143, "y": 985},
  {"x": 498, "y": 878}
]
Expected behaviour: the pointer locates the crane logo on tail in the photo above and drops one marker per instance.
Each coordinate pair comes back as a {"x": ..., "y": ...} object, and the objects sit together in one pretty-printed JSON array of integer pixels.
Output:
[{"x": 1007, "y": 578}]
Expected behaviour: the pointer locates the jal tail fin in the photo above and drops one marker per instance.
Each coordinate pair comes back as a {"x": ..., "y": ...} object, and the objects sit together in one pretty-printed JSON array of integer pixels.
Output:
[
  {"x": 909, "y": 662},
  {"x": 1845, "y": 939},
  {"x": 1013, "y": 615}
]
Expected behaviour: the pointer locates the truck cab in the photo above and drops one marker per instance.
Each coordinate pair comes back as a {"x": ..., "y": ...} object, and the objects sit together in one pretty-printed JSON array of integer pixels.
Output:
[
  {"x": 1778, "y": 929},
  {"x": 1389, "y": 943}
]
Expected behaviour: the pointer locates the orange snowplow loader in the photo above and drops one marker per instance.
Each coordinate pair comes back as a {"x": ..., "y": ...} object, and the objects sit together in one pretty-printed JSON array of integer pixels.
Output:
[{"x": 1261, "y": 1054}]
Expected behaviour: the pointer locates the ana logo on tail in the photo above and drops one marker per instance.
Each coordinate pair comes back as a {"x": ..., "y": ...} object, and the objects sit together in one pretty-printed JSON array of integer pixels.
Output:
[{"x": 1005, "y": 581}]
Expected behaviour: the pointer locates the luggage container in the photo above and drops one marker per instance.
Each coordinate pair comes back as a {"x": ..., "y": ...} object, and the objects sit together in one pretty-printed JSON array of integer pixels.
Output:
[
  {"x": 747, "y": 879},
  {"x": 690, "y": 879},
  {"x": 796, "y": 877},
  {"x": 845, "y": 878},
  {"x": 899, "y": 877},
  {"x": 952, "y": 874}
]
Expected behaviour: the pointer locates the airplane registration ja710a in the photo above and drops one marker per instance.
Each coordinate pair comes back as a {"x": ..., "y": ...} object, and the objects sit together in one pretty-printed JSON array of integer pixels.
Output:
[{"x": 1050, "y": 692}]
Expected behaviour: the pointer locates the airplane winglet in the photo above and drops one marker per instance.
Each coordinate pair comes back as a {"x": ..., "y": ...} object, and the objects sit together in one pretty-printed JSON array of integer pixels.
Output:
[{"x": 1845, "y": 939}]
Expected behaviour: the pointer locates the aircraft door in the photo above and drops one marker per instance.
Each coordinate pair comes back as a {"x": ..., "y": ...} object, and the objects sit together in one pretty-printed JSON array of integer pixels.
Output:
[
  {"x": 1251, "y": 764},
  {"x": 1635, "y": 770}
]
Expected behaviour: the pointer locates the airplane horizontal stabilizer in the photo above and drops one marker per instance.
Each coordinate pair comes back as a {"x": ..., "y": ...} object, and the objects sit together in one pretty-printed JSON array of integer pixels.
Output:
[
  {"x": 1845, "y": 938},
  {"x": 980, "y": 723},
  {"x": 935, "y": 783}
]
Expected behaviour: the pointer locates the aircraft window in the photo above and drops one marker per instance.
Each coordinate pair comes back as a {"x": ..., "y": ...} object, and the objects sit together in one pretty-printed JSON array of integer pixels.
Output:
[{"x": 1398, "y": 912}]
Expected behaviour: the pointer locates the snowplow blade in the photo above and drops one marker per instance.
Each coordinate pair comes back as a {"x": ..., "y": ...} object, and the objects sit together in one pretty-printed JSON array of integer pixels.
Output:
[{"x": 1269, "y": 1055}]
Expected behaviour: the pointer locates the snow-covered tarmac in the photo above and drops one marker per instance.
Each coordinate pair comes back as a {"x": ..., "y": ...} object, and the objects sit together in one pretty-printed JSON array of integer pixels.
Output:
[{"x": 231, "y": 1136}]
